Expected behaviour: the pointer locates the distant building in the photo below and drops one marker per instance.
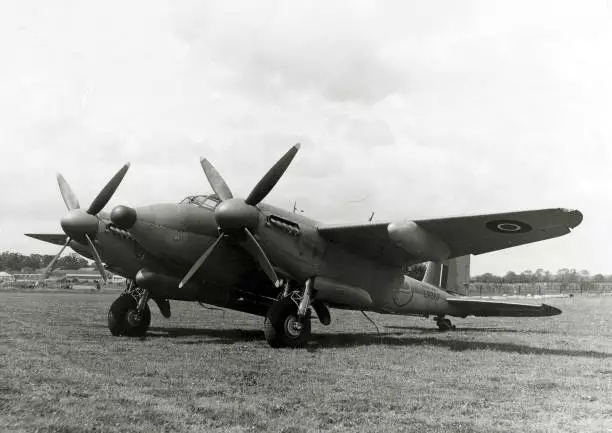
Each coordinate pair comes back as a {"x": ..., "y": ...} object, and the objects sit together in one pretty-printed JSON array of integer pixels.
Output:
[
  {"x": 84, "y": 275},
  {"x": 5, "y": 277}
]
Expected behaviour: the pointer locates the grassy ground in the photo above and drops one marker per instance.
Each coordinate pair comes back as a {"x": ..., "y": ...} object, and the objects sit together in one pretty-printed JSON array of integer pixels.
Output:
[{"x": 206, "y": 370}]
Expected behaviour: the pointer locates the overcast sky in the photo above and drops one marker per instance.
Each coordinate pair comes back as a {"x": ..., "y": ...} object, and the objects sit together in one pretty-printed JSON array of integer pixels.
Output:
[{"x": 409, "y": 109}]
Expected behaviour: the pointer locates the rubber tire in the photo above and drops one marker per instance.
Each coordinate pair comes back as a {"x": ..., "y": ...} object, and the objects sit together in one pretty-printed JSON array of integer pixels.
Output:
[
  {"x": 117, "y": 317},
  {"x": 274, "y": 325},
  {"x": 446, "y": 325}
]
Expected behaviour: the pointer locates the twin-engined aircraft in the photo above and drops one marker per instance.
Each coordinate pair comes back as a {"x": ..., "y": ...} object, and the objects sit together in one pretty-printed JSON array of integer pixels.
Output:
[{"x": 249, "y": 256}]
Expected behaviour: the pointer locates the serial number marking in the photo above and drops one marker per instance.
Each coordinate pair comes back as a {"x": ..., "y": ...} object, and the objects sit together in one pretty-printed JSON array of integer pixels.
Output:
[{"x": 432, "y": 296}]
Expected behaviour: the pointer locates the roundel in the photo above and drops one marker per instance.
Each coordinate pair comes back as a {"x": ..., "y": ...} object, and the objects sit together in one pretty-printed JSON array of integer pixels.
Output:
[
  {"x": 508, "y": 226},
  {"x": 403, "y": 296}
]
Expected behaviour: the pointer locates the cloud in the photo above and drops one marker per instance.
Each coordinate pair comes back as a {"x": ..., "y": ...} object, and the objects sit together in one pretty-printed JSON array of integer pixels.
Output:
[{"x": 277, "y": 50}]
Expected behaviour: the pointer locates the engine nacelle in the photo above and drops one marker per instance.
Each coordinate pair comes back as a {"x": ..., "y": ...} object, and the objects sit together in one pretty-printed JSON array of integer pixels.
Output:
[
  {"x": 415, "y": 240},
  {"x": 339, "y": 293}
]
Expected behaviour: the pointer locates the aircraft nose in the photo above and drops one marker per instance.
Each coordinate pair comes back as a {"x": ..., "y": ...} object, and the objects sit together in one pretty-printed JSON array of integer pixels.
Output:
[{"x": 123, "y": 217}]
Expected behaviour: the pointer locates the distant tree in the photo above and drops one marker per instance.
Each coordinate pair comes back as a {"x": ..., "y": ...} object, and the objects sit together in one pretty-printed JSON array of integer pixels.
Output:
[
  {"x": 487, "y": 277},
  {"x": 510, "y": 277},
  {"x": 527, "y": 276},
  {"x": 598, "y": 278},
  {"x": 11, "y": 261},
  {"x": 562, "y": 274},
  {"x": 584, "y": 275},
  {"x": 33, "y": 261},
  {"x": 538, "y": 274},
  {"x": 46, "y": 259},
  {"x": 71, "y": 262},
  {"x": 417, "y": 271}
]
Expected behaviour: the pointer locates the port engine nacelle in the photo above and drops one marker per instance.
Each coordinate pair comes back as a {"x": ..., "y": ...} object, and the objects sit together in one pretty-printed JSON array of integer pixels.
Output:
[{"x": 415, "y": 240}]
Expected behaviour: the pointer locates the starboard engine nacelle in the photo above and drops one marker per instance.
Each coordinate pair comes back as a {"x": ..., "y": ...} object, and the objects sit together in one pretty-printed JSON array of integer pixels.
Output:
[{"x": 415, "y": 240}]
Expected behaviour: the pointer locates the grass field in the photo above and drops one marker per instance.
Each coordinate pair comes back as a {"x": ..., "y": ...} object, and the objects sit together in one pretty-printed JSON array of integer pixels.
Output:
[{"x": 207, "y": 370}]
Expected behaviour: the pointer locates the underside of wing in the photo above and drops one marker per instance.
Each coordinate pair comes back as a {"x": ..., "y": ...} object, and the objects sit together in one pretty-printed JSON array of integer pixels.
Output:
[
  {"x": 50, "y": 238},
  {"x": 369, "y": 240},
  {"x": 487, "y": 307}
]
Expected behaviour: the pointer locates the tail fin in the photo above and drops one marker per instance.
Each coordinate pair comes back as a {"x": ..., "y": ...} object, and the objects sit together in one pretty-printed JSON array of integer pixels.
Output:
[
  {"x": 453, "y": 275},
  {"x": 433, "y": 273},
  {"x": 456, "y": 275}
]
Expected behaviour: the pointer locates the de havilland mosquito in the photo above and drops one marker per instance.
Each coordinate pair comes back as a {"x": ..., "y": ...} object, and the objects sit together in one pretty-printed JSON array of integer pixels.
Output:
[{"x": 246, "y": 255}]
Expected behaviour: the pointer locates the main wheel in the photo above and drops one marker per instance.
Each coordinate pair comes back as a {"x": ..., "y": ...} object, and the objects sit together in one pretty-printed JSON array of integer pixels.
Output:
[
  {"x": 446, "y": 325},
  {"x": 282, "y": 326},
  {"x": 123, "y": 317}
]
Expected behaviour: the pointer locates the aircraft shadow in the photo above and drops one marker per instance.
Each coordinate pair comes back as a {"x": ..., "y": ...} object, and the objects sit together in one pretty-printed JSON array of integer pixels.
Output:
[
  {"x": 435, "y": 330},
  {"x": 346, "y": 340},
  {"x": 387, "y": 339},
  {"x": 228, "y": 336}
]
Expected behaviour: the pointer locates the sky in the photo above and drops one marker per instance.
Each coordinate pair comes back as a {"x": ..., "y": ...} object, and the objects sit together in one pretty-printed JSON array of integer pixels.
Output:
[{"x": 408, "y": 109}]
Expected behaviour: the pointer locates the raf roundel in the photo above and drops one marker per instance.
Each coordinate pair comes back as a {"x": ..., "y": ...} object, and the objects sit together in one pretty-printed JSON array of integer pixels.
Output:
[{"x": 508, "y": 226}]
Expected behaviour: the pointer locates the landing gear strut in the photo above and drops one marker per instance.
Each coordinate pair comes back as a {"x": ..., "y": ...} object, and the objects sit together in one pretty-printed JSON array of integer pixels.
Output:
[
  {"x": 129, "y": 315},
  {"x": 287, "y": 323},
  {"x": 444, "y": 324}
]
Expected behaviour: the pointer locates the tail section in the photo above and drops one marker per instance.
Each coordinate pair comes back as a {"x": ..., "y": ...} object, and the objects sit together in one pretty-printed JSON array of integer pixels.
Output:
[
  {"x": 452, "y": 275},
  {"x": 433, "y": 273}
]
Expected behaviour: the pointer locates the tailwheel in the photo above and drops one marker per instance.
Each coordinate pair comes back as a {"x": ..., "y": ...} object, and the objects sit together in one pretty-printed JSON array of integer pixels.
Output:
[
  {"x": 283, "y": 326},
  {"x": 125, "y": 318},
  {"x": 445, "y": 324}
]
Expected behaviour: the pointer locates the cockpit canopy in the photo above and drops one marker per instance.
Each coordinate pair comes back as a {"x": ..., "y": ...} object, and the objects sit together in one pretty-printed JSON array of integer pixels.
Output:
[{"x": 207, "y": 201}]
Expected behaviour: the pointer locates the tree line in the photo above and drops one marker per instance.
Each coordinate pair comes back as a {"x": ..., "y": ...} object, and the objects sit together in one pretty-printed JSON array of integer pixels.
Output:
[
  {"x": 564, "y": 275},
  {"x": 17, "y": 262}
]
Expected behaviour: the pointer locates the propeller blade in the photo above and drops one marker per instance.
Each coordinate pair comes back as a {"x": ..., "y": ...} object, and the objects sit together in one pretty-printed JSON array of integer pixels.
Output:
[
  {"x": 69, "y": 198},
  {"x": 107, "y": 192},
  {"x": 199, "y": 262},
  {"x": 215, "y": 180},
  {"x": 254, "y": 249},
  {"x": 265, "y": 185},
  {"x": 96, "y": 257},
  {"x": 51, "y": 264}
]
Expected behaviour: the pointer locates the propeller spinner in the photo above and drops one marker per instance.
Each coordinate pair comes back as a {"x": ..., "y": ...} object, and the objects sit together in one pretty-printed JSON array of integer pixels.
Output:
[
  {"x": 237, "y": 218},
  {"x": 82, "y": 225}
]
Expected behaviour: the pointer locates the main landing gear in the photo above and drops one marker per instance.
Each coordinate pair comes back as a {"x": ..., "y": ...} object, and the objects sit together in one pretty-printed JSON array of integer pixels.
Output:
[
  {"x": 444, "y": 324},
  {"x": 130, "y": 315},
  {"x": 287, "y": 323}
]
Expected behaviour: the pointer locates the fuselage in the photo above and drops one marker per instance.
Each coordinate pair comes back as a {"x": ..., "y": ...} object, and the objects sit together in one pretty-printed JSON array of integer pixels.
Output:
[{"x": 177, "y": 234}]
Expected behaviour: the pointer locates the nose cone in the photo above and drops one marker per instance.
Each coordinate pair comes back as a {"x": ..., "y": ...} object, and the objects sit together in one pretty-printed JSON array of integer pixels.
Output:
[
  {"x": 77, "y": 223},
  {"x": 123, "y": 217},
  {"x": 235, "y": 214}
]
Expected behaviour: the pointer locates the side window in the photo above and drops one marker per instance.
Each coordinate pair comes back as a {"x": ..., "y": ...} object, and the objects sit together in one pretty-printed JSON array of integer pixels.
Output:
[{"x": 210, "y": 203}]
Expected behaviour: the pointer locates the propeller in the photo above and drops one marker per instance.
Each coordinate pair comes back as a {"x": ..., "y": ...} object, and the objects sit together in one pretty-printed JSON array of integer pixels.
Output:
[
  {"x": 237, "y": 218},
  {"x": 81, "y": 225}
]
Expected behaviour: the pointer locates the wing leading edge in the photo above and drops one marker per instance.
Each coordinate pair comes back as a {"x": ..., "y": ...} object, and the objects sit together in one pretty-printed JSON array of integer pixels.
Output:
[
  {"x": 488, "y": 308},
  {"x": 56, "y": 239}
]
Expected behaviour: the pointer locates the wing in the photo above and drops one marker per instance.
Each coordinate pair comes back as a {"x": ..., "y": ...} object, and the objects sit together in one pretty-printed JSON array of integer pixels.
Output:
[
  {"x": 464, "y": 235},
  {"x": 486, "y": 307},
  {"x": 51, "y": 238}
]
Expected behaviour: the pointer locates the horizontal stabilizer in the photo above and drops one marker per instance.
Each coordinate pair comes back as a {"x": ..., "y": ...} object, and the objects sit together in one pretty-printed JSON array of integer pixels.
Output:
[
  {"x": 488, "y": 308},
  {"x": 51, "y": 238}
]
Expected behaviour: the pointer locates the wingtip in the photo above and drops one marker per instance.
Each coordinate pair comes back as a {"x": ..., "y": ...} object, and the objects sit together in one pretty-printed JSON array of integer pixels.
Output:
[
  {"x": 575, "y": 215},
  {"x": 297, "y": 146}
]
